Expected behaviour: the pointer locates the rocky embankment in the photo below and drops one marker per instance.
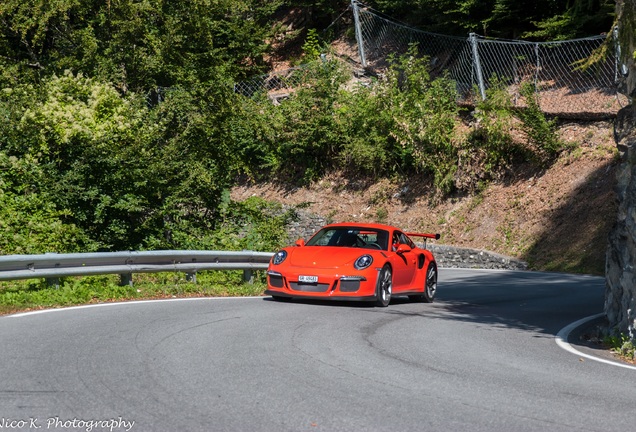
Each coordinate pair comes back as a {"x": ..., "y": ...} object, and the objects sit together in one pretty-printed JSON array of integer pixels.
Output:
[{"x": 620, "y": 293}]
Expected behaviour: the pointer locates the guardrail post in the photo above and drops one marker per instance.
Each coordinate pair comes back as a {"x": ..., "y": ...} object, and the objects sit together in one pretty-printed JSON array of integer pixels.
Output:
[
  {"x": 191, "y": 277},
  {"x": 125, "y": 279},
  {"x": 248, "y": 276},
  {"x": 53, "y": 282}
]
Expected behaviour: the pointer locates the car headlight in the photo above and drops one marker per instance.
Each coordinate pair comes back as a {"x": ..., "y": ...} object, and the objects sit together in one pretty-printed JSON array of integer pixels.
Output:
[
  {"x": 279, "y": 257},
  {"x": 363, "y": 262}
]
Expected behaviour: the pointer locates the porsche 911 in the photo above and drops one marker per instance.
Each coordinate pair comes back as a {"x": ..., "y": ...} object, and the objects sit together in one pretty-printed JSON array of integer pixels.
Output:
[{"x": 355, "y": 261}]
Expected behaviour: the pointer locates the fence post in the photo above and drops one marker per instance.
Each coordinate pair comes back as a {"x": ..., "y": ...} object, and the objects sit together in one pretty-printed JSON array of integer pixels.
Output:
[
  {"x": 620, "y": 69},
  {"x": 538, "y": 67},
  {"x": 358, "y": 28},
  {"x": 477, "y": 65}
]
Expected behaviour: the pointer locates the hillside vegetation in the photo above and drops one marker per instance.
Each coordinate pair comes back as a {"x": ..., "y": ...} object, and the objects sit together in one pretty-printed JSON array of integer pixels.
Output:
[{"x": 121, "y": 130}]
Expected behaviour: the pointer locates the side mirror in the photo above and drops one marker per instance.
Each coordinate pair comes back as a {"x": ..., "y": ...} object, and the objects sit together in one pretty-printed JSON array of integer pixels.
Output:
[
  {"x": 300, "y": 242},
  {"x": 403, "y": 248}
]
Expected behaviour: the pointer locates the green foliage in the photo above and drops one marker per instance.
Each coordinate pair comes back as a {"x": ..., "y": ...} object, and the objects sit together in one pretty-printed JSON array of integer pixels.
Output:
[
  {"x": 90, "y": 143},
  {"x": 581, "y": 18},
  {"x": 537, "y": 19},
  {"x": 138, "y": 45},
  {"x": 312, "y": 47},
  {"x": 540, "y": 131},
  {"x": 301, "y": 133},
  {"x": 622, "y": 345},
  {"x": 490, "y": 149},
  {"x": 29, "y": 220},
  {"x": 369, "y": 148},
  {"x": 425, "y": 115},
  {"x": 491, "y": 131},
  {"x": 125, "y": 176},
  {"x": 402, "y": 122},
  {"x": 253, "y": 224}
]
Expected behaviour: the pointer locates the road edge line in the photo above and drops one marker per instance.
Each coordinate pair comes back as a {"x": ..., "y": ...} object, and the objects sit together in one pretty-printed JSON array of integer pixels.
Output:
[
  {"x": 121, "y": 303},
  {"x": 562, "y": 336}
]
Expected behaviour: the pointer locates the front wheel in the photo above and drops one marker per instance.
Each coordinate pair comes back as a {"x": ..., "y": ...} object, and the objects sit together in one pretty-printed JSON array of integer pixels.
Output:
[
  {"x": 384, "y": 287},
  {"x": 430, "y": 286}
]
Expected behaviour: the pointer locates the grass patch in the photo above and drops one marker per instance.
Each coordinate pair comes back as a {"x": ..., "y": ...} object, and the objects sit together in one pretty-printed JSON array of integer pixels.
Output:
[
  {"x": 622, "y": 346},
  {"x": 34, "y": 294}
]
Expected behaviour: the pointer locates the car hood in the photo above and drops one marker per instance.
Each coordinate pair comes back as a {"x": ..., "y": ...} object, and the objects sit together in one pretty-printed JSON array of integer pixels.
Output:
[{"x": 326, "y": 257}]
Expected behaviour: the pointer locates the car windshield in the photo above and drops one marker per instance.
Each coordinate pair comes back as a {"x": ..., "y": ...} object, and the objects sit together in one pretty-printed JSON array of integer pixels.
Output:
[{"x": 351, "y": 237}]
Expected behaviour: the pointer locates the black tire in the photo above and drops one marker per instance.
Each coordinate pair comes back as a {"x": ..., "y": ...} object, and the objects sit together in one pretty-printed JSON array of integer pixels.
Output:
[
  {"x": 430, "y": 286},
  {"x": 384, "y": 287}
]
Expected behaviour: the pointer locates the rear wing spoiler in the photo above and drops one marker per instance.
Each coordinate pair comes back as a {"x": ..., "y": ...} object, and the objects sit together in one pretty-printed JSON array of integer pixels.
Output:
[{"x": 431, "y": 236}]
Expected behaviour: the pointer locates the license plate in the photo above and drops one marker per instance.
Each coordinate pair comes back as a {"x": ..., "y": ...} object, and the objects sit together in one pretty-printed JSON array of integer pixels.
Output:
[{"x": 308, "y": 279}]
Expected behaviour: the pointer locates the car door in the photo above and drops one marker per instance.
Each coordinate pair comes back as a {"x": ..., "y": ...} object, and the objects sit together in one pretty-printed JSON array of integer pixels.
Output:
[{"x": 404, "y": 262}]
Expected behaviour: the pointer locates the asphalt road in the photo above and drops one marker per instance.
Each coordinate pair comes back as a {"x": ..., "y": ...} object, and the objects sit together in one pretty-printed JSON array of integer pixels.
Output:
[{"x": 482, "y": 358}]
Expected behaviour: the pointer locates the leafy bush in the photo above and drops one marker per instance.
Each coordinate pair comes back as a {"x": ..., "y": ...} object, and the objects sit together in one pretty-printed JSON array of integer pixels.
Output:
[
  {"x": 91, "y": 145},
  {"x": 490, "y": 149},
  {"x": 364, "y": 124},
  {"x": 138, "y": 46},
  {"x": 301, "y": 133},
  {"x": 253, "y": 224},
  {"x": 540, "y": 131},
  {"x": 622, "y": 345},
  {"x": 402, "y": 122},
  {"x": 29, "y": 220},
  {"x": 489, "y": 146}
]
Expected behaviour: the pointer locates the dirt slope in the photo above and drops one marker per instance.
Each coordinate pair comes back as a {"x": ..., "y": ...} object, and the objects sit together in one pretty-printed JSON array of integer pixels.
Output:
[{"x": 557, "y": 219}]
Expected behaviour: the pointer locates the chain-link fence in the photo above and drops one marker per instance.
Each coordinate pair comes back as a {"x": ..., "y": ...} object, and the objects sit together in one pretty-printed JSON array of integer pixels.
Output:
[
  {"x": 564, "y": 88},
  {"x": 276, "y": 84}
]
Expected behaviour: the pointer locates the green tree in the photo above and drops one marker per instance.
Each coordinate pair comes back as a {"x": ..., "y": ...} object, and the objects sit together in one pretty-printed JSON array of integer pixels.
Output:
[
  {"x": 137, "y": 45},
  {"x": 533, "y": 19}
]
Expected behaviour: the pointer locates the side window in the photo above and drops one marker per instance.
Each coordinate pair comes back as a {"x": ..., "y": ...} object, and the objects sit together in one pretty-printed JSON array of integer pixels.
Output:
[
  {"x": 406, "y": 240},
  {"x": 395, "y": 241},
  {"x": 403, "y": 239}
]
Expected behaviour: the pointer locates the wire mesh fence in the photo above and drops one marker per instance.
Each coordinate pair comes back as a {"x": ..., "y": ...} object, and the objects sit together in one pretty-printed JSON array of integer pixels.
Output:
[
  {"x": 275, "y": 82},
  {"x": 563, "y": 87}
]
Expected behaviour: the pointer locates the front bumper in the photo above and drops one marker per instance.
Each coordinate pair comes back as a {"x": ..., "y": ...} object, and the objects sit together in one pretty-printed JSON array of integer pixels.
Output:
[
  {"x": 274, "y": 293},
  {"x": 341, "y": 287}
]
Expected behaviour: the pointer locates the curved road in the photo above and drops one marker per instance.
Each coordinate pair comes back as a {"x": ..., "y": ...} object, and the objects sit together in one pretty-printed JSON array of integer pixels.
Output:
[{"x": 482, "y": 358}]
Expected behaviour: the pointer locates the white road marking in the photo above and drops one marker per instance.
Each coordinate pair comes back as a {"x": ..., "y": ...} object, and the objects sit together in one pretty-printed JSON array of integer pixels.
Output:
[
  {"x": 562, "y": 337},
  {"x": 123, "y": 303}
]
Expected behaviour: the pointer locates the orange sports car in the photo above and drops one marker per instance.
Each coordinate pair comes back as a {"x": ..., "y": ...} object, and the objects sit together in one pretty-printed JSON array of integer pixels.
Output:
[{"x": 354, "y": 261}]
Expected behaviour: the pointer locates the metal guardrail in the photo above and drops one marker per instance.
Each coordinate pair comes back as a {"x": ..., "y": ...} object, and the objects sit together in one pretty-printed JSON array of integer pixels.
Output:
[{"x": 52, "y": 266}]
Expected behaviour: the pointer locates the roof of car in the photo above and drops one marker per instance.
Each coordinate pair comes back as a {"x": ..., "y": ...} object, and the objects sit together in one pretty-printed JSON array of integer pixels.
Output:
[{"x": 362, "y": 225}]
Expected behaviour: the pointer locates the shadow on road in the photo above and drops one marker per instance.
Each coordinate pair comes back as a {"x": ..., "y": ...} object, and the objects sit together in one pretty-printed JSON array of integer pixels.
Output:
[{"x": 536, "y": 301}]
